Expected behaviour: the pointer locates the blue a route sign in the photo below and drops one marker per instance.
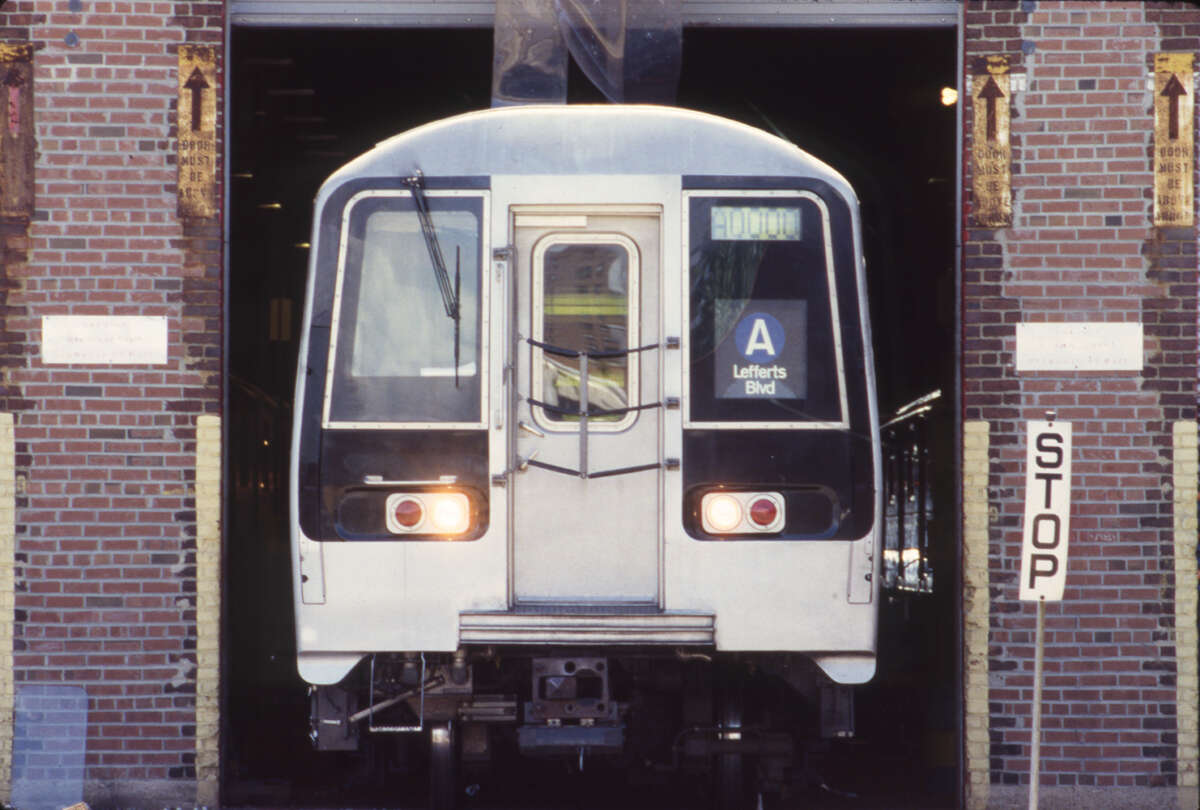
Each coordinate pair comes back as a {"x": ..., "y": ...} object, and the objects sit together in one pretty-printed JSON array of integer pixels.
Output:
[{"x": 764, "y": 354}]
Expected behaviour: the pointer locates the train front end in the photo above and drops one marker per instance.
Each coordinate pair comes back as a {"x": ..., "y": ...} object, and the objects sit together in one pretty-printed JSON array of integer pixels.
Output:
[{"x": 585, "y": 407}]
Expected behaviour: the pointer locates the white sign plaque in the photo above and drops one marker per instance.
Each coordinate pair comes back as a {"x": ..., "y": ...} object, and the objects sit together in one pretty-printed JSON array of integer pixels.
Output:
[
  {"x": 1079, "y": 347},
  {"x": 1047, "y": 511},
  {"x": 85, "y": 340}
]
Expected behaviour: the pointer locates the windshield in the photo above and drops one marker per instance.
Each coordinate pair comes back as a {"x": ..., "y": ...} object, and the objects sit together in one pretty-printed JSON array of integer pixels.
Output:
[
  {"x": 762, "y": 334},
  {"x": 399, "y": 356}
]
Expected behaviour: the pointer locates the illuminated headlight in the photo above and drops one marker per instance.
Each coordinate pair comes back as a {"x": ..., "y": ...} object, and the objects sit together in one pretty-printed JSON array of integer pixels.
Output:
[
  {"x": 742, "y": 512},
  {"x": 446, "y": 513},
  {"x": 722, "y": 512},
  {"x": 449, "y": 512}
]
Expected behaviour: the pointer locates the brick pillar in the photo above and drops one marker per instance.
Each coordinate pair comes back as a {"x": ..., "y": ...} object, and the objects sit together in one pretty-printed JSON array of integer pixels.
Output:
[
  {"x": 106, "y": 533},
  {"x": 1082, "y": 247}
]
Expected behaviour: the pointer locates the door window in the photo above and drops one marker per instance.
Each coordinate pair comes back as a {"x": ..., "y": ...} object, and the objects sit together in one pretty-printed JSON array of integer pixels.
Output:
[{"x": 585, "y": 302}]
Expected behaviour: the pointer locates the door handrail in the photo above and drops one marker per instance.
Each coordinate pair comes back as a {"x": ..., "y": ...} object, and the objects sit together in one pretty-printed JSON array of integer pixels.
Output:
[
  {"x": 564, "y": 352},
  {"x": 585, "y": 411},
  {"x": 658, "y": 465},
  {"x": 591, "y": 411}
]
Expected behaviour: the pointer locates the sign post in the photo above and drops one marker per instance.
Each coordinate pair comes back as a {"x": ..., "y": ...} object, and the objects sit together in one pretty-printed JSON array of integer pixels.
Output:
[{"x": 1044, "y": 550}]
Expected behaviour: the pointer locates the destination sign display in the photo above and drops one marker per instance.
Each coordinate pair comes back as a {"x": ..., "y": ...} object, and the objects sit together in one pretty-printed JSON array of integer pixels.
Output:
[
  {"x": 754, "y": 223},
  {"x": 763, "y": 355}
]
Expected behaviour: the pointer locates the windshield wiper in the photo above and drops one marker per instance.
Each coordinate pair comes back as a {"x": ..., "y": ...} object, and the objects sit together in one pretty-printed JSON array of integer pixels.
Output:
[
  {"x": 457, "y": 322},
  {"x": 451, "y": 294},
  {"x": 450, "y": 299}
]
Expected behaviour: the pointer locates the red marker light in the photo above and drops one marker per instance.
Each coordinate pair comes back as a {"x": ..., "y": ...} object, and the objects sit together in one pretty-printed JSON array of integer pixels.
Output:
[
  {"x": 408, "y": 512},
  {"x": 764, "y": 512}
]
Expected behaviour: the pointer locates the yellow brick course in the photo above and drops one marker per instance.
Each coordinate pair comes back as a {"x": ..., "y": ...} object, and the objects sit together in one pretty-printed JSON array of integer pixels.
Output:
[
  {"x": 208, "y": 607},
  {"x": 8, "y": 490},
  {"x": 976, "y": 608},
  {"x": 1186, "y": 463}
]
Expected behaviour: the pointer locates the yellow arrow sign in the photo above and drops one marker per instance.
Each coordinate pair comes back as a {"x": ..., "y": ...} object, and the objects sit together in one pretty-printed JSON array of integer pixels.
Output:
[
  {"x": 196, "y": 122},
  {"x": 1174, "y": 140},
  {"x": 991, "y": 155}
]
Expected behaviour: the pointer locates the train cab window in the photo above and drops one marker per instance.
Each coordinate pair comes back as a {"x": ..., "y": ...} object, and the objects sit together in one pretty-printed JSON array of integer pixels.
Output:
[
  {"x": 585, "y": 289},
  {"x": 399, "y": 354},
  {"x": 763, "y": 337}
]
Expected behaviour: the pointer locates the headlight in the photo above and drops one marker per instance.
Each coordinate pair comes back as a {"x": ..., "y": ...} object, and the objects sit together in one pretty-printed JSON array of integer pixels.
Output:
[
  {"x": 449, "y": 512},
  {"x": 742, "y": 512},
  {"x": 722, "y": 513},
  {"x": 445, "y": 513}
]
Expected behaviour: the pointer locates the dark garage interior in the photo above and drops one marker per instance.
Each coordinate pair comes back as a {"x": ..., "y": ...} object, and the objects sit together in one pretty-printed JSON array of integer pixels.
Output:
[{"x": 866, "y": 101}]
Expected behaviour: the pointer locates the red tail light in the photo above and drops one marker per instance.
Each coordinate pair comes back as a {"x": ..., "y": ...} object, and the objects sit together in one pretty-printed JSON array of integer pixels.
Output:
[
  {"x": 763, "y": 512},
  {"x": 408, "y": 512}
]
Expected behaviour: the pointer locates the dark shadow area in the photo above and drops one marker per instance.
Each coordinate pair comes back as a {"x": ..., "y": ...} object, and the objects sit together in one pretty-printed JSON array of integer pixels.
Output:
[{"x": 304, "y": 102}]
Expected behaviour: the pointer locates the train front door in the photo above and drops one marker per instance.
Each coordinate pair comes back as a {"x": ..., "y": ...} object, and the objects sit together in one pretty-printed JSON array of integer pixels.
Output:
[{"x": 586, "y": 425}]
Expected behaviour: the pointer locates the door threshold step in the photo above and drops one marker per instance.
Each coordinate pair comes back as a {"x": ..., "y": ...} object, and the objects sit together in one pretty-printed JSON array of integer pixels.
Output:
[{"x": 603, "y": 626}]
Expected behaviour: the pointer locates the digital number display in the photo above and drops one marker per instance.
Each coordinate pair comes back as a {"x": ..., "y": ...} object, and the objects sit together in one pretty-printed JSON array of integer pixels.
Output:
[{"x": 755, "y": 223}]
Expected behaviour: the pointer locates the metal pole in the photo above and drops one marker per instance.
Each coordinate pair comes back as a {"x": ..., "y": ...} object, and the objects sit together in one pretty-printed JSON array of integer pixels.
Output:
[{"x": 1035, "y": 752}]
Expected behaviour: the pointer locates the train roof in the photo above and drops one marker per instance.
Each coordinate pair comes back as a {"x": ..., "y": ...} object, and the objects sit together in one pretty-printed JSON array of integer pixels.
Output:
[{"x": 586, "y": 139}]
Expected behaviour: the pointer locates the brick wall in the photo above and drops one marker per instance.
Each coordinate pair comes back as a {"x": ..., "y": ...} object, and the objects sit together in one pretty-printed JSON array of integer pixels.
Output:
[
  {"x": 106, "y": 455},
  {"x": 1082, "y": 248},
  {"x": 16, "y": 21}
]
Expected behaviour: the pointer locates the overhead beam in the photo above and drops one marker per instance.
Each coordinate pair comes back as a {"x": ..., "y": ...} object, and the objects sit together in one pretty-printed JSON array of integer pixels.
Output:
[{"x": 710, "y": 13}]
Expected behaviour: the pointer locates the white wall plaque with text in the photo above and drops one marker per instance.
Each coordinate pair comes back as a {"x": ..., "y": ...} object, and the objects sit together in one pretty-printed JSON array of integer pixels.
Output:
[
  {"x": 1079, "y": 347},
  {"x": 126, "y": 340}
]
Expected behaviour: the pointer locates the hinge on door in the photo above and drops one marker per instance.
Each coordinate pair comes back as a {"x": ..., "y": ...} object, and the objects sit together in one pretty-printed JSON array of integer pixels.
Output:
[{"x": 501, "y": 256}]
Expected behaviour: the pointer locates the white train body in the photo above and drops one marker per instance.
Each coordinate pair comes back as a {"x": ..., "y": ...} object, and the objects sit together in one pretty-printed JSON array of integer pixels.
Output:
[{"x": 705, "y": 481}]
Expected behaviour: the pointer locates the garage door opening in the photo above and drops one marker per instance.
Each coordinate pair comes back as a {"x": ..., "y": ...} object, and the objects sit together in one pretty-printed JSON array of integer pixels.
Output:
[{"x": 868, "y": 102}]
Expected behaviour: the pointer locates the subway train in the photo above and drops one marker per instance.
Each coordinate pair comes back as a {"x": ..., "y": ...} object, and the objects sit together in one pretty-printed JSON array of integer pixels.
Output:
[{"x": 585, "y": 460}]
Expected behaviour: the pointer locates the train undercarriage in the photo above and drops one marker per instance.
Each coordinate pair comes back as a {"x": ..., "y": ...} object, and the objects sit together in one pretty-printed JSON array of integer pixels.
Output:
[{"x": 725, "y": 729}]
